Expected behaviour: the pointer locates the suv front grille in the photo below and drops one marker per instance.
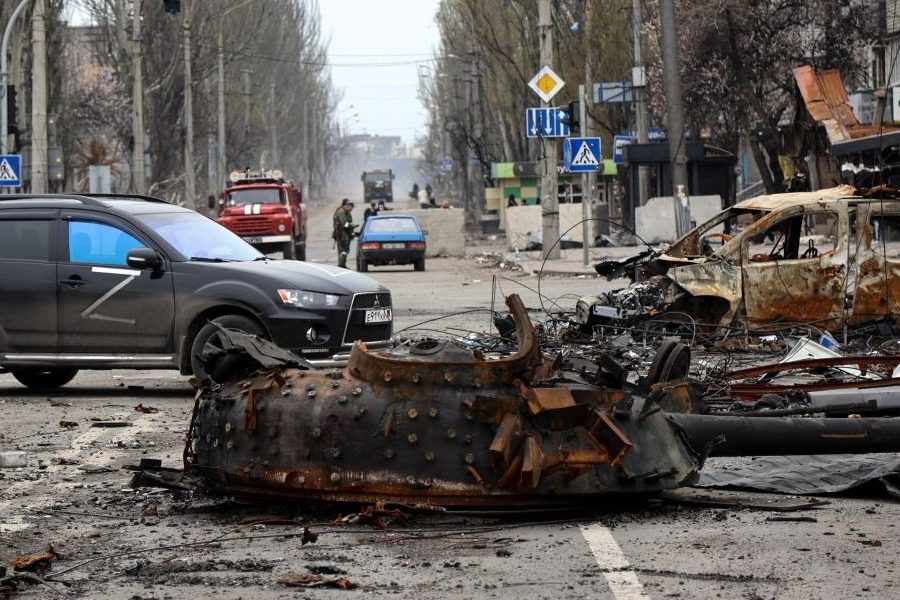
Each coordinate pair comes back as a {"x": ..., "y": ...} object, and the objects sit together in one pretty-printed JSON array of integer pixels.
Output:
[{"x": 356, "y": 321}]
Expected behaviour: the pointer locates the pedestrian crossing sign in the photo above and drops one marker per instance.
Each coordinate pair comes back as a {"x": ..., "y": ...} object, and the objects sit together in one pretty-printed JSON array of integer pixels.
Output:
[
  {"x": 582, "y": 155},
  {"x": 10, "y": 170}
]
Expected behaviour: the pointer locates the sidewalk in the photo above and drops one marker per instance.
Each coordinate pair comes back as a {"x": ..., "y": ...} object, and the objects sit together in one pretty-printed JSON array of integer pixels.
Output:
[{"x": 570, "y": 263}]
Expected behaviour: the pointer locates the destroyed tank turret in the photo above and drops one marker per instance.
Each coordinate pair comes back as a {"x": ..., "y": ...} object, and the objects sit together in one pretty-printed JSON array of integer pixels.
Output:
[{"x": 445, "y": 426}]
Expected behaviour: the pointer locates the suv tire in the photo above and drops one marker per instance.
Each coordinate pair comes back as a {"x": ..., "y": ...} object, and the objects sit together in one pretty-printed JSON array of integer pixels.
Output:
[
  {"x": 419, "y": 265},
  {"x": 300, "y": 251},
  {"x": 44, "y": 378},
  {"x": 208, "y": 338}
]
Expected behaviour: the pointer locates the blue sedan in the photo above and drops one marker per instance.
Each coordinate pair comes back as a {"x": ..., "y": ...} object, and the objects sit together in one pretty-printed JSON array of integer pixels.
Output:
[{"x": 391, "y": 240}]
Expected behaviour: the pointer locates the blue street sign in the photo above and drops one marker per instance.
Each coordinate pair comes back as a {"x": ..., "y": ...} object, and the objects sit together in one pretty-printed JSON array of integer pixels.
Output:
[
  {"x": 655, "y": 134},
  {"x": 618, "y": 142},
  {"x": 545, "y": 122},
  {"x": 582, "y": 155},
  {"x": 10, "y": 170}
]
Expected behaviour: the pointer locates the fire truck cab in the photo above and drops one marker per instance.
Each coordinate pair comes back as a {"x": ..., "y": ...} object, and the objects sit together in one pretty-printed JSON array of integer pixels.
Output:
[{"x": 266, "y": 210}]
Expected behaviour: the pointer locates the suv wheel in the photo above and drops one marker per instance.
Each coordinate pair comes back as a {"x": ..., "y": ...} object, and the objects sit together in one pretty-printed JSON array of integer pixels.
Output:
[
  {"x": 300, "y": 250},
  {"x": 419, "y": 264},
  {"x": 209, "y": 339},
  {"x": 361, "y": 265},
  {"x": 41, "y": 378}
]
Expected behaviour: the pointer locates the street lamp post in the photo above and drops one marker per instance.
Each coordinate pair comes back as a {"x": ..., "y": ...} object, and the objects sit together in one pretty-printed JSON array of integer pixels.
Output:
[{"x": 4, "y": 75}]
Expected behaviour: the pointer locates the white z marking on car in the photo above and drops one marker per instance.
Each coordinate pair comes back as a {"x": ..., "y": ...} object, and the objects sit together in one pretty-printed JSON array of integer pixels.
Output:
[{"x": 89, "y": 312}]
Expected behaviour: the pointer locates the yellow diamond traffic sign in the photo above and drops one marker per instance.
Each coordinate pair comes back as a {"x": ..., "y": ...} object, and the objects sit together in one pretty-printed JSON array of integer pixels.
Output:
[{"x": 546, "y": 83}]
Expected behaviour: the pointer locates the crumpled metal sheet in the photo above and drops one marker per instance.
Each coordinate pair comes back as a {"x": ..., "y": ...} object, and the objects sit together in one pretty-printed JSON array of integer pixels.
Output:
[{"x": 802, "y": 474}]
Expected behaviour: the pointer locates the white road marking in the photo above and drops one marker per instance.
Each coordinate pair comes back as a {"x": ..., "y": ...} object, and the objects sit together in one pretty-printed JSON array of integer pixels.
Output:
[
  {"x": 12, "y": 496},
  {"x": 620, "y": 577}
]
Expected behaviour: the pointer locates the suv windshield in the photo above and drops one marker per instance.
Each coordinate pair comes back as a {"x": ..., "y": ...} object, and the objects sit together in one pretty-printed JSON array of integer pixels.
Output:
[
  {"x": 197, "y": 237},
  {"x": 253, "y": 196}
]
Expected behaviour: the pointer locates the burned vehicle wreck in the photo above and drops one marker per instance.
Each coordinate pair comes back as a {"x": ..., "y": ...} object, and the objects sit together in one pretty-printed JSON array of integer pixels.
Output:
[
  {"x": 442, "y": 425},
  {"x": 829, "y": 258}
]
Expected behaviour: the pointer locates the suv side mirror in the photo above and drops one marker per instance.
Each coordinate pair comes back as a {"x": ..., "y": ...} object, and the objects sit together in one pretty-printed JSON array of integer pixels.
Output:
[{"x": 144, "y": 258}]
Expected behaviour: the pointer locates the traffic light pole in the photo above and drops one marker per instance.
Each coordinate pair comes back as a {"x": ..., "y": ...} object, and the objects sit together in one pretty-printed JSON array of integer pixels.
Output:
[
  {"x": 586, "y": 191},
  {"x": 4, "y": 75}
]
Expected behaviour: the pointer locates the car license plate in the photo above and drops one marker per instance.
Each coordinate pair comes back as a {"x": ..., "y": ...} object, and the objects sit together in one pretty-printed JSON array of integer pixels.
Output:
[
  {"x": 378, "y": 315},
  {"x": 253, "y": 240},
  {"x": 394, "y": 246}
]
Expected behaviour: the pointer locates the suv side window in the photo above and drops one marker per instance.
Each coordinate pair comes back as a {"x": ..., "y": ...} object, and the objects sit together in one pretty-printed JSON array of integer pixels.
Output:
[
  {"x": 99, "y": 244},
  {"x": 23, "y": 239}
]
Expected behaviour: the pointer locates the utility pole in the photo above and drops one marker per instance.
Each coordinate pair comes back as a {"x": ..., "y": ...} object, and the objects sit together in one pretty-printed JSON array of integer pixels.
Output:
[
  {"x": 304, "y": 151},
  {"x": 189, "y": 188},
  {"x": 273, "y": 127},
  {"x": 220, "y": 123},
  {"x": 39, "y": 100},
  {"x": 585, "y": 184},
  {"x": 137, "y": 102},
  {"x": 672, "y": 79},
  {"x": 549, "y": 198},
  {"x": 589, "y": 183},
  {"x": 638, "y": 82},
  {"x": 245, "y": 76}
]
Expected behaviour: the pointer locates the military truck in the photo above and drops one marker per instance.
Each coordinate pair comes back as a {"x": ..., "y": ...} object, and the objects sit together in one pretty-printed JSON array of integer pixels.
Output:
[{"x": 377, "y": 185}]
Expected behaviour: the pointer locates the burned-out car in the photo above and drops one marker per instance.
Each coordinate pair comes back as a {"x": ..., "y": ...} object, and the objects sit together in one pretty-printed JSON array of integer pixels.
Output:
[{"x": 829, "y": 258}]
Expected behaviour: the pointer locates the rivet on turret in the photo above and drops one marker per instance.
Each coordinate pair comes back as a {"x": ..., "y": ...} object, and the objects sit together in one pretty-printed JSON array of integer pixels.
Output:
[
  {"x": 342, "y": 399},
  {"x": 412, "y": 438},
  {"x": 388, "y": 376},
  {"x": 416, "y": 378},
  {"x": 316, "y": 433},
  {"x": 412, "y": 413},
  {"x": 335, "y": 477},
  {"x": 311, "y": 394},
  {"x": 433, "y": 412},
  {"x": 429, "y": 456},
  {"x": 389, "y": 453},
  {"x": 227, "y": 427},
  {"x": 469, "y": 458},
  {"x": 356, "y": 391},
  {"x": 336, "y": 374},
  {"x": 335, "y": 385},
  {"x": 467, "y": 439},
  {"x": 451, "y": 434},
  {"x": 448, "y": 377}
]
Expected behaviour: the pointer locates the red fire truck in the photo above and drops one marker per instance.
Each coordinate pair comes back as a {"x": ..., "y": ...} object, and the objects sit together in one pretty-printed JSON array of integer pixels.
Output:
[{"x": 267, "y": 211}]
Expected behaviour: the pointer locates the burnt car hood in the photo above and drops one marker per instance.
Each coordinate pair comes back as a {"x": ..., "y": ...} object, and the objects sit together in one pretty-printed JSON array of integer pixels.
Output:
[{"x": 298, "y": 274}]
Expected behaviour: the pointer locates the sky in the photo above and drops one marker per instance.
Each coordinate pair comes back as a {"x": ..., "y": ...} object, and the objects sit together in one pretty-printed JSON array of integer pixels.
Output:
[
  {"x": 376, "y": 49},
  {"x": 378, "y": 98}
]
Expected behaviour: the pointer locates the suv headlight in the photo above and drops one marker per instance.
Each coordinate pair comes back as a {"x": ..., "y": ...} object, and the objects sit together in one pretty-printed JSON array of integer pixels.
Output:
[{"x": 305, "y": 299}]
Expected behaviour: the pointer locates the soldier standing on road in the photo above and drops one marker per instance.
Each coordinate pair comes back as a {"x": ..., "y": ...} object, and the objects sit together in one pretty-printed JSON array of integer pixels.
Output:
[{"x": 343, "y": 230}]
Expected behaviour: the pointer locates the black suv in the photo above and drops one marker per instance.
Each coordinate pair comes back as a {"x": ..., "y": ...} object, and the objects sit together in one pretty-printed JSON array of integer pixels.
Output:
[{"x": 115, "y": 281}]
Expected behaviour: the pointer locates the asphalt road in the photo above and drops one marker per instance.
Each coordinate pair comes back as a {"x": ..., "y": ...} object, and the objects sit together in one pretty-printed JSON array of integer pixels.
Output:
[{"x": 115, "y": 542}]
